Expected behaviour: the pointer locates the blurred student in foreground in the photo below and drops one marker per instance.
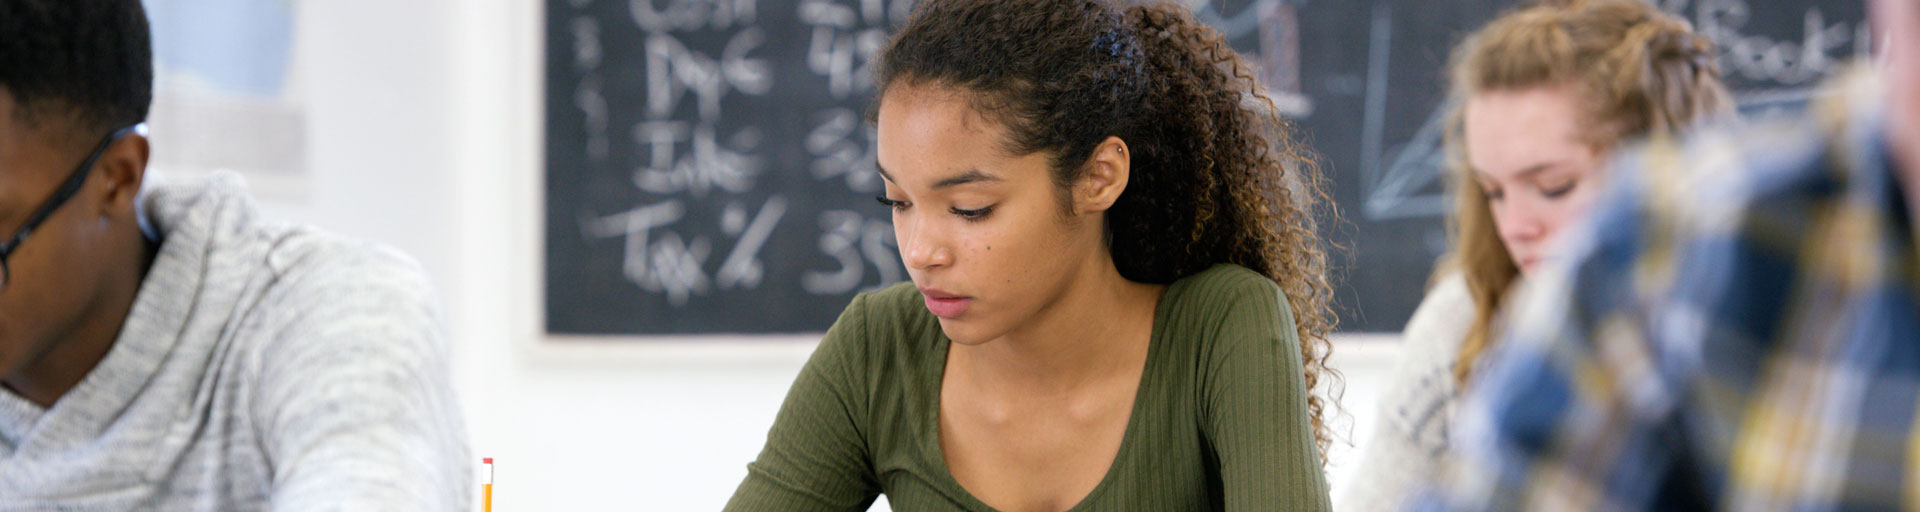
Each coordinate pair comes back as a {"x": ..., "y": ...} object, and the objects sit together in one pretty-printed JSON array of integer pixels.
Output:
[
  {"x": 1542, "y": 95},
  {"x": 166, "y": 348},
  {"x": 1737, "y": 328},
  {"x": 1118, "y": 301}
]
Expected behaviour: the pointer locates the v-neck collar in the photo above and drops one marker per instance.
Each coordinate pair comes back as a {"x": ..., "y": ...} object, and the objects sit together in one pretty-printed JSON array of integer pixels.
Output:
[{"x": 1150, "y": 374}]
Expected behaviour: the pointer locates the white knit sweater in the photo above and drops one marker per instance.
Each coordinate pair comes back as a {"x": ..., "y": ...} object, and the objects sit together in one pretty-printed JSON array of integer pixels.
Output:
[{"x": 1409, "y": 441}]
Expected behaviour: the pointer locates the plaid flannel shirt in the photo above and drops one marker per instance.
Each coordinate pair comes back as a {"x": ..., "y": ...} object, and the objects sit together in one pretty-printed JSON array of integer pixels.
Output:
[{"x": 1737, "y": 327}]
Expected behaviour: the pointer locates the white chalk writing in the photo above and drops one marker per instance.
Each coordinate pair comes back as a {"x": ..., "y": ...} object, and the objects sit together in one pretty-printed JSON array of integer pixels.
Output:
[
  {"x": 673, "y": 70},
  {"x": 661, "y": 260},
  {"x": 688, "y": 15},
  {"x": 849, "y": 237},
  {"x": 704, "y": 166},
  {"x": 1774, "y": 59},
  {"x": 843, "y": 146}
]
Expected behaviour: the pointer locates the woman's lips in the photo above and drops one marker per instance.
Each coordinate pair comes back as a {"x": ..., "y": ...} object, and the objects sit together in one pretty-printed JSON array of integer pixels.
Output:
[{"x": 946, "y": 305}]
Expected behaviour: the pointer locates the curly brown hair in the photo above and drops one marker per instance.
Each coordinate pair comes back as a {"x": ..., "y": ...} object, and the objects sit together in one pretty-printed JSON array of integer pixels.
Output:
[{"x": 1217, "y": 176}]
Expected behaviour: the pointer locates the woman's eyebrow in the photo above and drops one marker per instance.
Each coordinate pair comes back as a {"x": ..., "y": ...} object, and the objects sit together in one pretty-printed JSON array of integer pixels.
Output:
[
  {"x": 970, "y": 176},
  {"x": 1525, "y": 173},
  {"x": 966, "y": 177}
]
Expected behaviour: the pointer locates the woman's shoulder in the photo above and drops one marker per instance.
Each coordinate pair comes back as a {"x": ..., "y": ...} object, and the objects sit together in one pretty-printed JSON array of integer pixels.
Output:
[
  {"x": 888, "y": 319},
  {"x": 1443, "y": 317},
  {"x": 896, "y": 300},
  {"x": 1227, "y": 282},
  {"x": 894, "y": 309},
  {"x": 1450, "y": 289},
  {"x": 1227, "y": 297}
]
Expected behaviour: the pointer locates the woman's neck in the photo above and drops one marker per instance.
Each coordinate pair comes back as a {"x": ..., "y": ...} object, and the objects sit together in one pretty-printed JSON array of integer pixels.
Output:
[{"x": 1101, "y": 323}]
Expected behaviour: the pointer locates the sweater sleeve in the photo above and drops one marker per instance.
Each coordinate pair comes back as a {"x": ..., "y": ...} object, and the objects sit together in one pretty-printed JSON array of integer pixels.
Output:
[
  {"x": 355, "y": 404},
  {"x": 816, "y": 457},
  {"x": 1410, "y": 430},
  {"x": 1255, "y": 405}
]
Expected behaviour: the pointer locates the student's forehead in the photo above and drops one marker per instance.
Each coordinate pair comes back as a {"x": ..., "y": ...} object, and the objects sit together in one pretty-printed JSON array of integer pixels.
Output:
[
  {"x": 1523, "y": 154},
  {"x": 916, "y": 167},
  {"x": 931, "y": 113},
  {"x": 917, "y": 119}
]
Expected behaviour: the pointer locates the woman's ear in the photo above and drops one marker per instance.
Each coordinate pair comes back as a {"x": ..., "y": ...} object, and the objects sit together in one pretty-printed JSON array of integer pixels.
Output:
[{"x": 1107, "y": 173}]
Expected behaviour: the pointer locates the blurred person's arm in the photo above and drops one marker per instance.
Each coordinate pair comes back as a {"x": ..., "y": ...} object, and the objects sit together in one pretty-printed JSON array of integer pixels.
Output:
[
  {"x": 354, "y": 399},
  {"x": 1410, "y": 431},
  {"x": 1254, "y": 410},
  {"x": 815, "y": 458}
]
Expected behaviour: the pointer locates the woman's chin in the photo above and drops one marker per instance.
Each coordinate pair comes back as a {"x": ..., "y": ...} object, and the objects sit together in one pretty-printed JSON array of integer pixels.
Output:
[{"x": 962, "y": 332}]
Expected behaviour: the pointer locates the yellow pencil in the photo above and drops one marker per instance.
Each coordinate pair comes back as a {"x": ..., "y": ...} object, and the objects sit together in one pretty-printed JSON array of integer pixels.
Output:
[{"x": 486, "y": 487}]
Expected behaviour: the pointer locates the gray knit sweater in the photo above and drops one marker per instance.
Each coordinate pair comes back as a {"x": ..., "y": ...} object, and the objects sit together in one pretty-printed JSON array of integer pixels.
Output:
[{"x": 264, "y": 366}]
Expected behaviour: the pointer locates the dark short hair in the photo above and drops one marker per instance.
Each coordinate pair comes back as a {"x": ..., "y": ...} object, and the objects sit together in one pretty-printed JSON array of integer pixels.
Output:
[{"x": 89, "y": 59}]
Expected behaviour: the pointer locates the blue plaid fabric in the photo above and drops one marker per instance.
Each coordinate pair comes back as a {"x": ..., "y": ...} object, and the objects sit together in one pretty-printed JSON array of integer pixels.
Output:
[{"x": 1737, "y": 329}]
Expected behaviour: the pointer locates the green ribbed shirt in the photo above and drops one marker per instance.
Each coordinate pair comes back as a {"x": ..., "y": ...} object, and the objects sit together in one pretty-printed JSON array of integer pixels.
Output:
[{"x": 1219, "y": 422}]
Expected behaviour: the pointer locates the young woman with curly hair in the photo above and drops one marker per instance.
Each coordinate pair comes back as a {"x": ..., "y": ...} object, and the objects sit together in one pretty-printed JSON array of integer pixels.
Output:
[{"x": 1118, "y": 301}]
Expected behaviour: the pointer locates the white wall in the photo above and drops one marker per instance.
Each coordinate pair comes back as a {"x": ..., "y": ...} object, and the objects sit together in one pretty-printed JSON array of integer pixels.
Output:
[{"x": 425, "y": 134}]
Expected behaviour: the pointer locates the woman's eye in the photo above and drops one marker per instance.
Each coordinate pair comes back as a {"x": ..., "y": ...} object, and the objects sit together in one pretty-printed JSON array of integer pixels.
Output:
[
  {"x": 1559, "y": 190},
  {"x": 1493, "y": 194},
  {"x": 890, "y": 203},
  {"x": 975, "y": 214}
]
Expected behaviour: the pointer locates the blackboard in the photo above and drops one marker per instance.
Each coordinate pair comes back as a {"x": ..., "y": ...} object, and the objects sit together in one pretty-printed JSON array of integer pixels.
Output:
[{"x": 709, "y": 170}]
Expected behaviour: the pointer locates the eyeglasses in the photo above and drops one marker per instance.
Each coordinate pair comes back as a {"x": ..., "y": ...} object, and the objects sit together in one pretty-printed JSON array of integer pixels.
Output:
[{"x": 67, "y": 190}]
